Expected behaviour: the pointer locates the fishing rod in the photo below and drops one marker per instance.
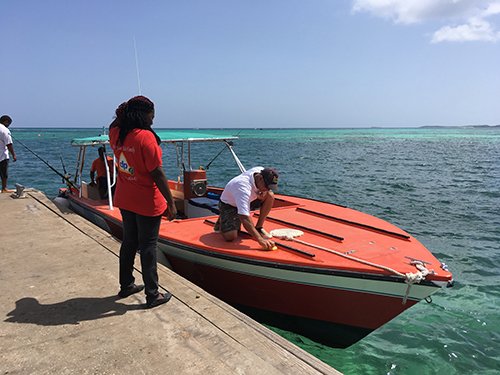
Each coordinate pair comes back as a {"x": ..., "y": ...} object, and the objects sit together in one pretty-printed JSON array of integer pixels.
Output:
[
  {"x": 228, "y": 143},
  {"x": 64, "y": 167},
  {"x": 216, "y": 156},
  {"x": 64, "y": 177}
]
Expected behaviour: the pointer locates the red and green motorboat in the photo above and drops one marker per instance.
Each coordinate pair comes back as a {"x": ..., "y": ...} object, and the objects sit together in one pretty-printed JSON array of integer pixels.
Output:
[{"x": 347, "y": 274}]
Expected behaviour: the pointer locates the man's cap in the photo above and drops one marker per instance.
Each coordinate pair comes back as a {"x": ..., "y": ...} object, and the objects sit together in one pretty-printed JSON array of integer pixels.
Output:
[{"x": 270, "y": 176}]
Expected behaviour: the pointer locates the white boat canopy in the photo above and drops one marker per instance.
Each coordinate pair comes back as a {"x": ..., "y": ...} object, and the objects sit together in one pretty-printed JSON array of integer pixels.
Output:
[
  {"x": 176, "y": 137},
  {"x": 166, "y": 136}
]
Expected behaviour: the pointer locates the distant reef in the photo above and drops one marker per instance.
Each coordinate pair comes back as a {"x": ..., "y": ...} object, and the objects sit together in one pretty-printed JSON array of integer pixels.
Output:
[{"x": 463, "y": 126}]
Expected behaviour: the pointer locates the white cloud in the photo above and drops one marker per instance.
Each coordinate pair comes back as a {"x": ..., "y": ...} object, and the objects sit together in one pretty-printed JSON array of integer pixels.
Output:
[
  {"x": 466, "y": 19},
  {"x": 474, "y": 30},
  {"x": 412, "y": 11},
  {"x": 492, "y": 9}
]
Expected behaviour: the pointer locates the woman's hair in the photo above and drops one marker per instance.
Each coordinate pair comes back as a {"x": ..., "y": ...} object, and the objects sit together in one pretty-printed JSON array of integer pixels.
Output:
[{"x": 132, "y": 115}]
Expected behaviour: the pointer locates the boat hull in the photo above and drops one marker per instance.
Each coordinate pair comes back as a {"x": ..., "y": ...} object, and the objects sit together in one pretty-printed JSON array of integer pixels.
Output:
[{"x": 334, "y": 307}]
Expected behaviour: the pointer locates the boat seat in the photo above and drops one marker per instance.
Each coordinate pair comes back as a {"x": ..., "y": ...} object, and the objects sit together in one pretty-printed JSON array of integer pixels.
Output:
[
  {"x": 90, "y": 191},
  {"x": 201, "y": 206}
]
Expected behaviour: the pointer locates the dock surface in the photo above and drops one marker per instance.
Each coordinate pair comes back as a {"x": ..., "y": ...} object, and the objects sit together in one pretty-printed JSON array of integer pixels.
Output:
[{"x": 60, "y": 313}]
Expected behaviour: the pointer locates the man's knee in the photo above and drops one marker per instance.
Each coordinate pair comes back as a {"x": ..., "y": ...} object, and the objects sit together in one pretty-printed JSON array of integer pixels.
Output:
[{"x": 230, "y": 236}]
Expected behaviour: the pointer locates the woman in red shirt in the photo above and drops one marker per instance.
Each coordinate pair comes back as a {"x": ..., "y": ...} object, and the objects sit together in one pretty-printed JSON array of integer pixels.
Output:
[{"x": 141, "y": 191}]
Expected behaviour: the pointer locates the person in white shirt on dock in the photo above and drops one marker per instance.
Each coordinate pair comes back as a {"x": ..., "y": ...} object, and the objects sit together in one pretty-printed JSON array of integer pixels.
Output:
[
  {"x": 5, "y": 148},
  {"x": 242, "y": 194}
]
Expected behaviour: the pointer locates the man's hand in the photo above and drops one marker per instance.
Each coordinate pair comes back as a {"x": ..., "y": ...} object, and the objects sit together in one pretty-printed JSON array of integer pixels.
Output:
[
  {"x": 266, "y": 244},
  {"x": 250, "y": 228}
]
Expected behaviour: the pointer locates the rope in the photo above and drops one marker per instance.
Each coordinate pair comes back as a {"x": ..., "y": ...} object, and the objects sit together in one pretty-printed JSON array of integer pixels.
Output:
[
  {"x": 410, "y": 278},
  {"x": 415, "y": 278}
]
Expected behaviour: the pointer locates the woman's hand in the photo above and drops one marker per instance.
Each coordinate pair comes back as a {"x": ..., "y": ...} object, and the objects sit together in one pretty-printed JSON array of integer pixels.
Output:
[
  {"x": 171, "y": 212},
  {"x": 158, "y": 176}
]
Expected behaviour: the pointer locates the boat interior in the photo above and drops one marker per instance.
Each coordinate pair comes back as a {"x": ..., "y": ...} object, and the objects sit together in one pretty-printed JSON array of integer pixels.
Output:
[{"x": 192, "y": 196}]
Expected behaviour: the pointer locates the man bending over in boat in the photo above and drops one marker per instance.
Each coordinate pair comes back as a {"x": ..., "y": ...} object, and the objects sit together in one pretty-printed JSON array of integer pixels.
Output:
[
  {"x": 242, "y": 194},
  {"x": 98, "y": 168}
]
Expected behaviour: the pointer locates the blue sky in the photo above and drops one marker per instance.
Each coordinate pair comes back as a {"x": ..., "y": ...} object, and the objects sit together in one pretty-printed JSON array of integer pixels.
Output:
[{"x": 258, "y": 63}]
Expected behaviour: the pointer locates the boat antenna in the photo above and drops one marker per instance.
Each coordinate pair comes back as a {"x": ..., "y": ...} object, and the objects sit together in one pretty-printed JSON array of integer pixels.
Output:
[
  {"x": 137, "y": 68},
  {"x": 64, "y": 177}
]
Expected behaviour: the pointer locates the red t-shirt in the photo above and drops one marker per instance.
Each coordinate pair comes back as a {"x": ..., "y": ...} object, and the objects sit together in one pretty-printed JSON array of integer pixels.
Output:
[
  {"x": 137, "y": 157},
  {"x": 99, "y": 167}
]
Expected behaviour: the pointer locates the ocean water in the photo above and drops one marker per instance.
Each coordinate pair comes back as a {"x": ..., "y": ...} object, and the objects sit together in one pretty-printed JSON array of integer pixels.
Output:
[{"x": 441, "y": 185}]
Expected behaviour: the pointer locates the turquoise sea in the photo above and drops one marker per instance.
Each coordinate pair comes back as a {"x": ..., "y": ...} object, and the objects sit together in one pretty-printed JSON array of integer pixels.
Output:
[{"x": 440, "y": 184}]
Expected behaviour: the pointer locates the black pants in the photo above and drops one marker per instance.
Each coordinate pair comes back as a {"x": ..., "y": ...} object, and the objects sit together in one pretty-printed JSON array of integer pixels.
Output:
[
  {"x": 4, "y": 168},
  {"x": 102, "y": 185},
  {"x": 140, "y": 233}
]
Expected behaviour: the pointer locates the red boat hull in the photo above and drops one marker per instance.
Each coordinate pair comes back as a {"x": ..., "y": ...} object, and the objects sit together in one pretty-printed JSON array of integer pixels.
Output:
[
  {"x": 336, "y": 306},
  {"x": 314, "y": 302}
]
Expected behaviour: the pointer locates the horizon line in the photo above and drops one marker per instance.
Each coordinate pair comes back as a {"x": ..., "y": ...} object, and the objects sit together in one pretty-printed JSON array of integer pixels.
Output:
[{"x": 271, "y": 128}]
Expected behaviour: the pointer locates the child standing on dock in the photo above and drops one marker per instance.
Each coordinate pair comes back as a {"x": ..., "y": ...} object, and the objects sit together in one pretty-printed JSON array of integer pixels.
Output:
[
  {"x": 5, "y": 148},
  {"x": 141, "y": 191}
]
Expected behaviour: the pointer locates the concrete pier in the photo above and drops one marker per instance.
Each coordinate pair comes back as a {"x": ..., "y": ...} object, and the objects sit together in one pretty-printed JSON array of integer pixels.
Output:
[{"x": 60, "y": 313}]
